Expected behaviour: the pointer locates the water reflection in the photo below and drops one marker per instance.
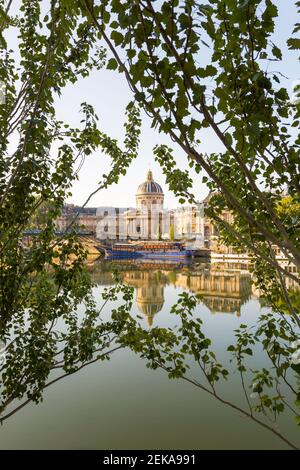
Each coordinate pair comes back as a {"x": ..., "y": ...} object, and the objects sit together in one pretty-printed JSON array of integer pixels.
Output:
[
  {"x": 149, "y": 287},
  {"x": 222, "y": 291},
  {"x": 180, "y": 413},
  {"x": 222, "y": 288}
]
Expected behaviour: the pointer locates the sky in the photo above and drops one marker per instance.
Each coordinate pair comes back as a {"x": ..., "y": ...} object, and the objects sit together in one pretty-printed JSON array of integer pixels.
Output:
[{"x": 109, "y": 94}]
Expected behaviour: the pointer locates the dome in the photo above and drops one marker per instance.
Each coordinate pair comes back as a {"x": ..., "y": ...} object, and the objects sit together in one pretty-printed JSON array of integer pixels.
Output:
[
  {"x": 149, "y": 309},
  {"x": 149, "y": 186}
]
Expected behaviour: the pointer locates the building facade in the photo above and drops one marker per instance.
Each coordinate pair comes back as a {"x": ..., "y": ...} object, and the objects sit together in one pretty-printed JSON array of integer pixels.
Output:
[
  {"x": 149, "y": 220},
  {"x": 86, "y": 218},
  {"x": 212, "y": 239}
]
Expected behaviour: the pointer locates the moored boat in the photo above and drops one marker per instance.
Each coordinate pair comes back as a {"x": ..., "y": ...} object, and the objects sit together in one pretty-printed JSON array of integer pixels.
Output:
[{"x": 147, "y": 249}]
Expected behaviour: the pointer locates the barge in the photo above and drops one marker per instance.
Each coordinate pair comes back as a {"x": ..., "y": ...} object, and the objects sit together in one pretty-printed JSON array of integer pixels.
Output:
[{"x": 145, "y": 249}]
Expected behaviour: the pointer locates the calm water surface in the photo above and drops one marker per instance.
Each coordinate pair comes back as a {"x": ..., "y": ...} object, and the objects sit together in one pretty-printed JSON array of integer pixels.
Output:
[{"x": 120, "y": 404}]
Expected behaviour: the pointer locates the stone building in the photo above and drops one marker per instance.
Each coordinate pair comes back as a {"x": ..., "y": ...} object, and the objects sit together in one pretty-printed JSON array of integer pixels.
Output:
[
  {"x": 149, "y": 220},
  {"x": 86, "y": 218},
  {"x": 149, "y": 195},
  {"x": 211, "y": 233}
]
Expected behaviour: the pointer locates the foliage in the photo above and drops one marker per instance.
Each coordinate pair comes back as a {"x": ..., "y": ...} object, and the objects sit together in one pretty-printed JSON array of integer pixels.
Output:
[
  {"x": 185, "y": 352},
  {"x": 36, "y": 351},
  {"x": 39, "y": 218},
  {"x": 44, "y": 282},
  {"x": 193, "y": 67},
  {"x": 39, "y": 172},
  {"x": 190, "y": 67}
]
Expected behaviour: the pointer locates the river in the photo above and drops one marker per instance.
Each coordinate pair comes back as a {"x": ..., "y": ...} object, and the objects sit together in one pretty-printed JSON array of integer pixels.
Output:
[{"x": 120, "y": 404}]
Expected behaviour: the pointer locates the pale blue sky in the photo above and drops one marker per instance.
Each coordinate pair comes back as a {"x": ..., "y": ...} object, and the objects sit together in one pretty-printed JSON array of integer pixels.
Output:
[{"x": 109, "y": 93}]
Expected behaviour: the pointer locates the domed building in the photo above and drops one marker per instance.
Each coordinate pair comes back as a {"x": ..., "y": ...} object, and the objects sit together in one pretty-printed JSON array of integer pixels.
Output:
[
  {"x": 149, "y": 194},
  {"x": 149, "y": 220}
]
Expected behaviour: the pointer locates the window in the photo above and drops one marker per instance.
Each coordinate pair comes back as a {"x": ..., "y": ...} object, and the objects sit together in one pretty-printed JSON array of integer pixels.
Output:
[
  {"x": 105, "y": 228},
  {"x": 105, "y": 213}
]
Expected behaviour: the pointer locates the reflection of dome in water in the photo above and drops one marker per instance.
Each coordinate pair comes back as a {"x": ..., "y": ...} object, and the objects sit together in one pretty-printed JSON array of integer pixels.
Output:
[
  {"x": 150, "y": 300},
  {"x": 149, "y": 309}
]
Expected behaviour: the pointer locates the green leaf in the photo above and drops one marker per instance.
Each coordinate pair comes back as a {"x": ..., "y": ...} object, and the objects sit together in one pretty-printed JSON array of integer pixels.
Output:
[
  {"x": 297, "y": 419},
  {"x": 209, "y": 71},
  {"x": 117, "y": 37},
  {"x": 112, "y": 64},
  {"x": 296, "y": 368},
  {"x": 131, "y": 53},
  {"x": 293, "y": 43},
  {"x": 282, "y": 94},
  {"x": 114, "y": 25},
  {"x": 248, "y": 351},
  {"x": 140, "y": 96},
  {"x": 277, "y": 52}
]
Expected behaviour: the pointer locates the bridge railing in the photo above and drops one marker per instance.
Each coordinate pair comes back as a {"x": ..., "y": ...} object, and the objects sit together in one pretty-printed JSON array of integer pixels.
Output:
[{"x": 34, "y": 232}]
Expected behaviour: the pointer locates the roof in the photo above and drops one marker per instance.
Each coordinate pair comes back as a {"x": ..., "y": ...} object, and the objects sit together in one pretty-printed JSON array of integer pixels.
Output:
[{"x": 149, "y": 186}]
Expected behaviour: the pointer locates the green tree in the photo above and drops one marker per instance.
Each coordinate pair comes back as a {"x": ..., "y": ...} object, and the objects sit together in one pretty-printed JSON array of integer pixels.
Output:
[
  {"x": 46, "y": 280},
  {"x": 159, "y": 55},
  {"x": 194, "y": 66},
  {"x": 39, "y": 218}
]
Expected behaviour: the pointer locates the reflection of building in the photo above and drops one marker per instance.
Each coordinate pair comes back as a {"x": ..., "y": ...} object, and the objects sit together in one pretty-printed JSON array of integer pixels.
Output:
[
  {"x": 149, "y": 220},
  {"x": 149, "y": 292},
  {"x": 150, "y": 301},
  {"x": 291, "y": 284},
  {"x": 221, "y": 290}
]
